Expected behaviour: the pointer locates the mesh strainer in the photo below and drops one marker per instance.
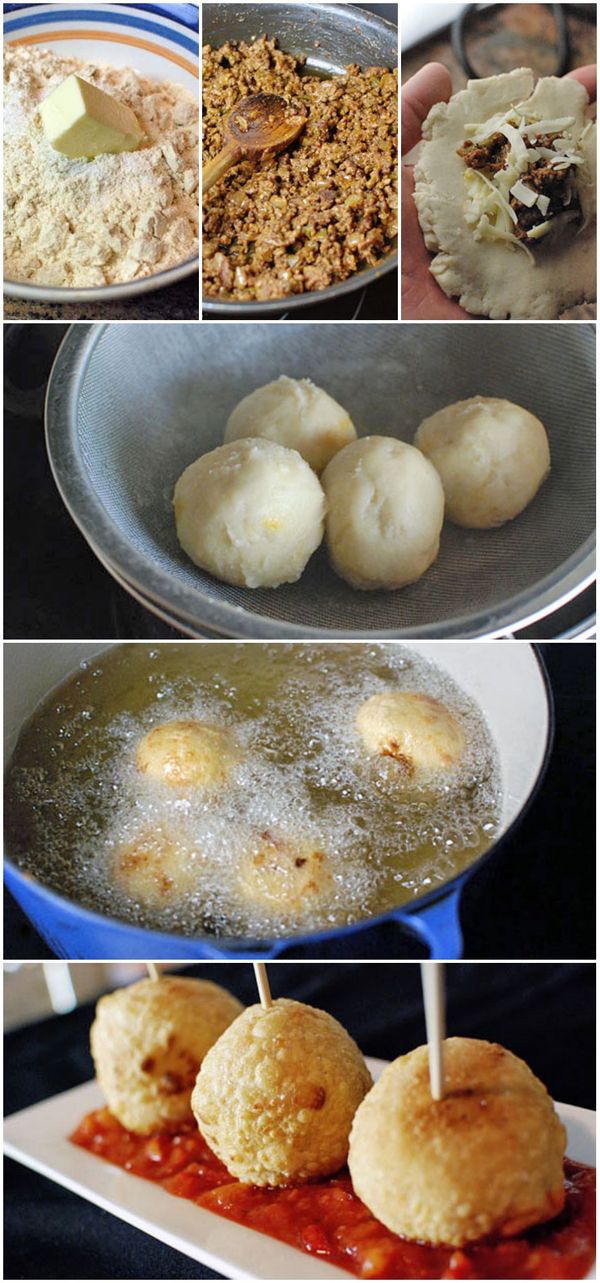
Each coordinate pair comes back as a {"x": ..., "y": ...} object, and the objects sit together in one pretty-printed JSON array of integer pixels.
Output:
[{"x": 129, "y": 406}]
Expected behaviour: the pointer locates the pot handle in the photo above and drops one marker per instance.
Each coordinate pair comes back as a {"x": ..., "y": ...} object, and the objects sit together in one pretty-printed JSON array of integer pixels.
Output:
[
  {"x": 216, "y": 952},
  {"x": 438, "y": 927}
]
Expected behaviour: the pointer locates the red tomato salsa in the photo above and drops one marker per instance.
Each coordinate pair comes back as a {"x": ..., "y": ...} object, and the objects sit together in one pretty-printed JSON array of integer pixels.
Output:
[{"x": 327, "y": 1220}]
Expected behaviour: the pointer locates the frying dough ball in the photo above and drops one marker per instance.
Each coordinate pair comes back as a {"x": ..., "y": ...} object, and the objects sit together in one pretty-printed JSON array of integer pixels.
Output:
[
  {"x": 148, "y": 1042},
  {"x": 188, "y": 754},
  {"x": 295, "y": 413},
  {"x": 487, "y": 1159},
  {"x": 417, "y": 730},
  {"x": 282, "y": 873},
  {"x": 157, "y": 867},
  {"x": 385, "y": 513},
  {"x": 492, "y": 457},
  {"x": 251, "y": 513},
  {"x": 276, "y": 1095}
]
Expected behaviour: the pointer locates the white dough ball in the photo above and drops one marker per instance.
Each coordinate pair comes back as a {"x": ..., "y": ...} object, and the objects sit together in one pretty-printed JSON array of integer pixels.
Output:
[
  {"x": 385, "y": 512},
  {"x": 295, "y": 413},
  {"x": 492, "y": 457},
  {"x": 251, "y": 513}
]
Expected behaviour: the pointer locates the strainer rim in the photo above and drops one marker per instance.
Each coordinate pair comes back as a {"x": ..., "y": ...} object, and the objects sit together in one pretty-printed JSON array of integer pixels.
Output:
[{"x": 188, "y": 625}]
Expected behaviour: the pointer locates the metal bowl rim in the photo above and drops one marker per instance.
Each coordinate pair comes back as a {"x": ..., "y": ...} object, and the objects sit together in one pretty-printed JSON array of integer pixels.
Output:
[
  {"x": 102, "y": 293},
  {"x": 295, "y": 302}
]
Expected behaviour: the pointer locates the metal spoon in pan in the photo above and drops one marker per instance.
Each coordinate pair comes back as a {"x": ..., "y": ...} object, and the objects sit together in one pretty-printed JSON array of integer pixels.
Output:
[{"x": 259, "y": 124}]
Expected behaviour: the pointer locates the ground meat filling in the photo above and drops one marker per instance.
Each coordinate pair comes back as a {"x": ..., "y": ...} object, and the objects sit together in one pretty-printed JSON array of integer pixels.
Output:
[
  {"x": 317, "y": 212},
  {"x": 490, "y": 155},
  {"x": 557, "y": 184}
]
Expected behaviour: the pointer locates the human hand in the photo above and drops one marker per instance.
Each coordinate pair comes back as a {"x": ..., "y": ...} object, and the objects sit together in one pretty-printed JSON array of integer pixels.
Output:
[
  {"x": 422, "y": 298},
  {"x": 586, "y": 77}
]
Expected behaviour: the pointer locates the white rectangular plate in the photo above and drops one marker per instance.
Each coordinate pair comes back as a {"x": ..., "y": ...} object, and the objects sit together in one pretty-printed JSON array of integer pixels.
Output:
[{"x": 37, "y": 1137}]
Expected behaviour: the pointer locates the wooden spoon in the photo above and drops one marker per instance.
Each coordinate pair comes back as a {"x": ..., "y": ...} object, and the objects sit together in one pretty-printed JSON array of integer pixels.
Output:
[{"x": 261, "y": 123}]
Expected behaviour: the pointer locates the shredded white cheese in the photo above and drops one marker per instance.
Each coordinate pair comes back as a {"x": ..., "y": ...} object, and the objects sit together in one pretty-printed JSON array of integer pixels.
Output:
[
  {"x": 503, "y": 203},
  {"x": 525, "y": 194},
  {"x": 489, "y": 211},
  {"x": 478, "y": 133},
  {"x": 557, "y": 126},
  {"x": 517, "y": 146},
  {"x": 536, "y": 233}
]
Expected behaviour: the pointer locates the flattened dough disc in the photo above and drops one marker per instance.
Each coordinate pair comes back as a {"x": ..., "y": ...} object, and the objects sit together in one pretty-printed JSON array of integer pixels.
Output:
[{"x": 490, "y": 278}]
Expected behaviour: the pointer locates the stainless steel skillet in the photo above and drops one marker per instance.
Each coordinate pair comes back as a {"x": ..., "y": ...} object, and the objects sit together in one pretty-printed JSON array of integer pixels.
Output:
[{"x": 330, "y": 37}]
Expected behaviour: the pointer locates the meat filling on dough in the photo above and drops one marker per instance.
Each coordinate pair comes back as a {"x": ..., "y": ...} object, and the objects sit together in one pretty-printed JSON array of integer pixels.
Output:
[
  {"x": 546, "y": 188},
  {"x": 505, "y": 191}
]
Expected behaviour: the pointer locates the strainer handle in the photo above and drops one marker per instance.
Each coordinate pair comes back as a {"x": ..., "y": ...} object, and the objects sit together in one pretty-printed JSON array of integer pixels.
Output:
[{"x": 438, "y": 927}]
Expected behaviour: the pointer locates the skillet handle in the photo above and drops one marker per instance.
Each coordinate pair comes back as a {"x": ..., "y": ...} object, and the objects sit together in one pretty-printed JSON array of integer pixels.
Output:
[{"x": 438, "y": 927}]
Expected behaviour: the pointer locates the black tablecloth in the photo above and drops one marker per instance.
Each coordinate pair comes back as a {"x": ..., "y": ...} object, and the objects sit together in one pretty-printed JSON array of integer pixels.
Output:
[
  {"x": 536, "y": 898},
  {"x": 542, "y": 1012}
]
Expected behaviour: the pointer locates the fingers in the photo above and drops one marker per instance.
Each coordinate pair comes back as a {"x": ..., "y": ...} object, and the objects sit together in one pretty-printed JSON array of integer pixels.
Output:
[
  {"x": 586, "y": 77},
  {"x": 433, "y": 84},
  {"x": 430, "y": 85}
]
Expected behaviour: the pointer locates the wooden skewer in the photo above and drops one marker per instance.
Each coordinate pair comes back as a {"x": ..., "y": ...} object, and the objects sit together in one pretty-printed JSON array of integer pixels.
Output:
[
  {"x": 153, "y": 971},
  {"x": 60, "y": 986},
  {"x": 262, "y": 982},
  {"x": 432, "y": 980}
]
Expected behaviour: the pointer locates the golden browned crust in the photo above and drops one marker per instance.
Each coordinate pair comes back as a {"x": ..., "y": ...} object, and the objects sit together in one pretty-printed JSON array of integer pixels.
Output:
[
  {"x": 188, "y": 754},
  {"x": 291, "y": 873},
  {"x": 148, "y": 1042},
  {"x": 276, "y": 1096},
  {"x": 419, "y": 732},
  {"x": 158, "y": 865}
]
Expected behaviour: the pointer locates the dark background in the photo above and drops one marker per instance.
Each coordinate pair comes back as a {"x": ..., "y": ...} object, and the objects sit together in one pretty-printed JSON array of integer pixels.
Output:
[
  {"x": 542, "y": 1012},
  {"x": 536, "y": 897},
  {"x": 504, "y": 36}
]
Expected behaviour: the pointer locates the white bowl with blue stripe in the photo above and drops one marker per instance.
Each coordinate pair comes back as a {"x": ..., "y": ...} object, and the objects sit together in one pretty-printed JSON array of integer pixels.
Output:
[{"x": 159, "y": 41}]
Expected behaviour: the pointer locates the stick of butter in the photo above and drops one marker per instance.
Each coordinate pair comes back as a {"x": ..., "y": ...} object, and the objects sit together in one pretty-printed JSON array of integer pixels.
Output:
[{"x": 80, "y": 120}]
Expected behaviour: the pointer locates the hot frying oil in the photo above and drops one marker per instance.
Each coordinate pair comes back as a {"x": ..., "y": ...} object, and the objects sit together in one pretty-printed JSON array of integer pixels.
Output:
[{"x": 76, "y": 799}]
